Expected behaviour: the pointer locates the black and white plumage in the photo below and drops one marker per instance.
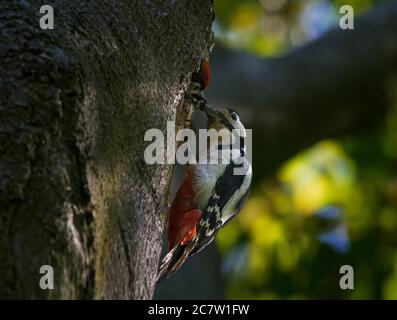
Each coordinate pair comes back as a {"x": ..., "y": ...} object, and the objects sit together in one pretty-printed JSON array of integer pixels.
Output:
[
  {"x": 226, "y": 200},
  {"x": 218, "y": 191}
]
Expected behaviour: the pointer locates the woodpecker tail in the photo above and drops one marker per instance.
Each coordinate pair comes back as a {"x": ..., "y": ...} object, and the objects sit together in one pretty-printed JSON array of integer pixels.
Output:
[{"x": 173, "y": 261}]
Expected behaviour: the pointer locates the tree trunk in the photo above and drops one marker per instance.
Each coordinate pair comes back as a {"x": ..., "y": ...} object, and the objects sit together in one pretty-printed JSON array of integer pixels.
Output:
[{"x": 75, "y": 192}]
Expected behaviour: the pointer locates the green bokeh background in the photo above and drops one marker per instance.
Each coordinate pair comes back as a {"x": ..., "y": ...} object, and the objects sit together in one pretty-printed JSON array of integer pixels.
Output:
[{"x": 270, "y": 251}]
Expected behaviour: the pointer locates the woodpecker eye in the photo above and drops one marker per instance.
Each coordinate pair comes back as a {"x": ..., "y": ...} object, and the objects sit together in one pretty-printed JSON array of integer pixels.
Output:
[{"x": 234, "y": 116}]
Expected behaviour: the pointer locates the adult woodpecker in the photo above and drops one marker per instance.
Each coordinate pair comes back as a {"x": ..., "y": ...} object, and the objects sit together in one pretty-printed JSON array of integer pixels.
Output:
[{"x": 210, "y": 194}]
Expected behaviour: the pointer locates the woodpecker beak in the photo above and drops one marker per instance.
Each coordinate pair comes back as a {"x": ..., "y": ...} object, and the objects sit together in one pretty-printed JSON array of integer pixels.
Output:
[{"x": 211, "y": 113}]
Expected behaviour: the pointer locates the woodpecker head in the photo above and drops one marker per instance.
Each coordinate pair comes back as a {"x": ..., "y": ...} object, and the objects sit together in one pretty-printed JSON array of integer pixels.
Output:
[{"x": 225, "y": 118}]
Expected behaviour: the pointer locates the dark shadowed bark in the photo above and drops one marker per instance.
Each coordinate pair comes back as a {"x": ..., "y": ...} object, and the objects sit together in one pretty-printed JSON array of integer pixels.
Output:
[
  {"x": 337, "y": 84},
  {"x": 75, "y": 102}
]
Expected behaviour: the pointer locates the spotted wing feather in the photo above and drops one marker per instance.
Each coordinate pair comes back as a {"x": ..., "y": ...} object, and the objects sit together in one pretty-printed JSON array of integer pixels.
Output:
[{"x": 213, "y": 218}]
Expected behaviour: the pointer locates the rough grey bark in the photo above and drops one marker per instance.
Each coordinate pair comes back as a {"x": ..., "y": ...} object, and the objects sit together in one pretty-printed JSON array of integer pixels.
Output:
[
  {"x": 75, "y": 192},
  {"x": 340, "y": 83}
]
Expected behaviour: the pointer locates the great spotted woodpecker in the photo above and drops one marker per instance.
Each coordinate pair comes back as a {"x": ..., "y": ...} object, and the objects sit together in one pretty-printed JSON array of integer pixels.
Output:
[{"x": 210, "y": 194}]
